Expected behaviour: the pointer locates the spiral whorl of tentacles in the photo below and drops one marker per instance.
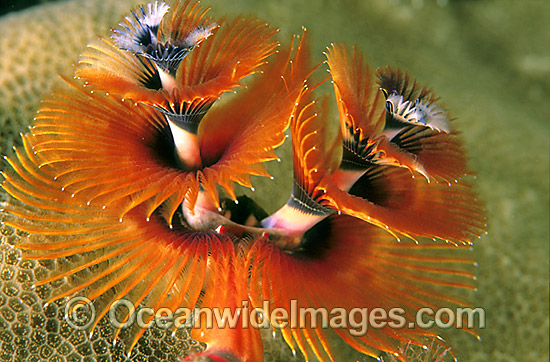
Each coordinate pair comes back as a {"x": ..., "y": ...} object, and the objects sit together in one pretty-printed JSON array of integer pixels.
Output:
[{"x": 123, "y": 166}]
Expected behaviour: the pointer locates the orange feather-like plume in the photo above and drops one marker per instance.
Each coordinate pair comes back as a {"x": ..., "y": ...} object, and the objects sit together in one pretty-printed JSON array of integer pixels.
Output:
[
  {"x": 139, "y": 259},
  {"x": 142, "y": 258},
  {"x": 123, "y": 137},
  {"x": 388, "y": 196},
  {"x": 234, "y": 51},
  {"x": 235, "y": 337},
  {"x": 73, "y": 201},
  {"x": 345, "y": 263},
  {"x": 241, "y": 135},
  {"x": 368, "y": 129},
  {"x": 122, "y": 177},
  {"x": 435, "y": 147}
]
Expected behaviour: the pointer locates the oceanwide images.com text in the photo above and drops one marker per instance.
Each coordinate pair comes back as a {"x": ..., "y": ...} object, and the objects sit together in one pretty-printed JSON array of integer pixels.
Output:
[{"x": 80, "y": 314}]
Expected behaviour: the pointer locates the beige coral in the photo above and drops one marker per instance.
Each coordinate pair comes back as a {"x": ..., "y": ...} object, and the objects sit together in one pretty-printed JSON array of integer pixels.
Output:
[{"x": 39, "y": 43}]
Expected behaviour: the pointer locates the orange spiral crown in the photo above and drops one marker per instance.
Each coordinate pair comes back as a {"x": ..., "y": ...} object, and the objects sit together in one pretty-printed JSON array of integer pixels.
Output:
[{"x": 124, "y": 165}]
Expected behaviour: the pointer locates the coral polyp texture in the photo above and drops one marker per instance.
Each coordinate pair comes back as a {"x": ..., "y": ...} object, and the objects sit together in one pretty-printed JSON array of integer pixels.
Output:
[
  {"x": 25, "y": 79},
  {"x": 125, "y": 187}
]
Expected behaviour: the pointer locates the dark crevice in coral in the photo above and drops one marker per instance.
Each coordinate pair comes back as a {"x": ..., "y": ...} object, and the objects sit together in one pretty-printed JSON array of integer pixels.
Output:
[{"x": 8, "y": 6}]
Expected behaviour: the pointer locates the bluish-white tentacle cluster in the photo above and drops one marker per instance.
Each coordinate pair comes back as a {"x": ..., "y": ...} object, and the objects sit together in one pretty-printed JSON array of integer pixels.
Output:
[{"x": 418, "y": 112}]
